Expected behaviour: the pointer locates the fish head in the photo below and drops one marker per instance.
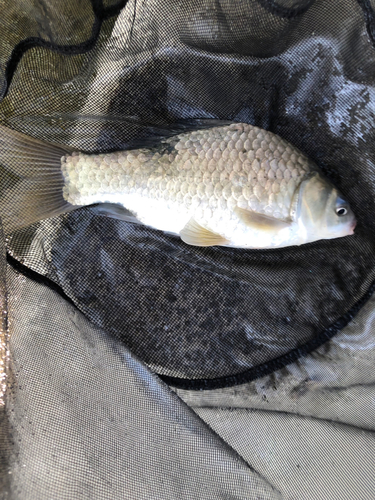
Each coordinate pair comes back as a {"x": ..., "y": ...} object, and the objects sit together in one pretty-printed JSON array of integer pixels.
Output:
[{"x": 321, "y": 210}]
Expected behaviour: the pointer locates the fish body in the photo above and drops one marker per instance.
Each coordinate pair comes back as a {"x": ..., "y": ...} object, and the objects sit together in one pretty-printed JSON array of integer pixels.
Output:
[
  {"x": 231, "y": 184},
  {"x": 234, "y": 185}
]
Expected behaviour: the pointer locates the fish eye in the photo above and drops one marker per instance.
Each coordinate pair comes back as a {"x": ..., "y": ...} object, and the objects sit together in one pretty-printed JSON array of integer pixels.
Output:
[{"x": 340, "y": 211}]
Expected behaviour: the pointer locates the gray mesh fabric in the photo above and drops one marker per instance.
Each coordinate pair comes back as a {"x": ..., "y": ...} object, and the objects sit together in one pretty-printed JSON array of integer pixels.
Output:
[
  {"x": 90, "y": 421},
  {"x": 98, "y": 314}
]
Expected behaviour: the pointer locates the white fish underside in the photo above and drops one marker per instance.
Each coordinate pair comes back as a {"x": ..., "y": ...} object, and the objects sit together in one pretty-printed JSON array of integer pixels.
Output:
[{"x": 202, "y": 175}]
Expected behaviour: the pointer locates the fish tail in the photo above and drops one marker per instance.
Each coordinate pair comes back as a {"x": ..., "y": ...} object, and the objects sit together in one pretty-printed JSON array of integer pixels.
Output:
[{"x": 31, "y": 180}]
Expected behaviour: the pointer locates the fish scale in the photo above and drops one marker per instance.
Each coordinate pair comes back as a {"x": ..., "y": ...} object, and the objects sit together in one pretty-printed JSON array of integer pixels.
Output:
[{"x": 203, "y": 173}]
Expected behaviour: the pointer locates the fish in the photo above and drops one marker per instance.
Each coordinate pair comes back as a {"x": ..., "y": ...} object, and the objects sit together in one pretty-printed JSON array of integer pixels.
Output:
[{"x": 223, "y": 184}]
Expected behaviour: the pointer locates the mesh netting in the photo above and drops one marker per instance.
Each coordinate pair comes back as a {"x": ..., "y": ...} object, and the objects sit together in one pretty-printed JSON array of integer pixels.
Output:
[
  {"x": 207, "y": 313},
  {"x": 102, "y": 312}
]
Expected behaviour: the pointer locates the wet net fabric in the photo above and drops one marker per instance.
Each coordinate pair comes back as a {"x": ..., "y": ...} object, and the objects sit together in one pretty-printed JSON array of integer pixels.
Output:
[{"x": 135, "y": 366}]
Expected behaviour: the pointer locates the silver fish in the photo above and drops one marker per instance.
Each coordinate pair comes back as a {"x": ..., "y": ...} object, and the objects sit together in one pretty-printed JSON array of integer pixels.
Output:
[{"x": 232, "y": 185}]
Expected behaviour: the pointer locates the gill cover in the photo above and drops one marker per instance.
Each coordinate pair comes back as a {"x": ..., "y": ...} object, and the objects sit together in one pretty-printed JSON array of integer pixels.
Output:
[
  {"x": 310, "y": 206},
  {"x": 313, "y": 195}
]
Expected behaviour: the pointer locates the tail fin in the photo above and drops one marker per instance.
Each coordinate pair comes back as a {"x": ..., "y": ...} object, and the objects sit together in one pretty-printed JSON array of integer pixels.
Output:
[{"x": 31, "y": 181}]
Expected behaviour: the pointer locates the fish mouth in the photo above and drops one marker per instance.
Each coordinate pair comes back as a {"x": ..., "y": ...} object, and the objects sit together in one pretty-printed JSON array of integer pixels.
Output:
[{"x": 353, "y": 226}]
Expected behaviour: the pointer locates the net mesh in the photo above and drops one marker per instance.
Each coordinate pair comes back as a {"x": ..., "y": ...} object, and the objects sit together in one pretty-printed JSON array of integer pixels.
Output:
[{"x": 135, "y": 366}]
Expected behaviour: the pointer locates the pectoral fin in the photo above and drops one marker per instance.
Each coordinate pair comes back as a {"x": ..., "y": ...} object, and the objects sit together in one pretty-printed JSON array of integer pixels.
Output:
[
  {"x": 260, "y": 222},
  {"x": 194, "y": 234}
]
